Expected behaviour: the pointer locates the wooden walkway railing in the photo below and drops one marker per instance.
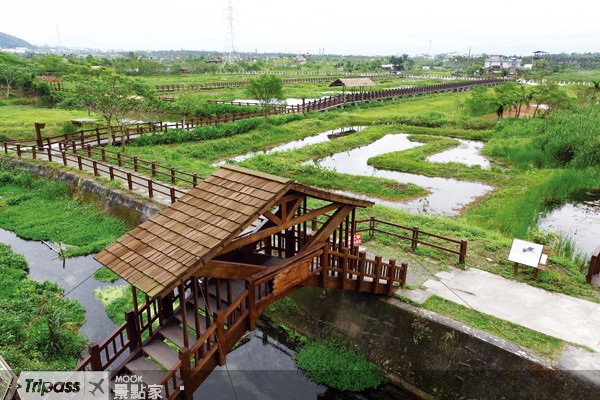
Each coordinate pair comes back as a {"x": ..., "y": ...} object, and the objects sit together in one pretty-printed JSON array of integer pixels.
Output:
[
  {"x": 288, "y": 81},
  {"x": 100, "y": 136},
  {"x": 414, "y": 235},
  {"x": 594, "y": 268}
]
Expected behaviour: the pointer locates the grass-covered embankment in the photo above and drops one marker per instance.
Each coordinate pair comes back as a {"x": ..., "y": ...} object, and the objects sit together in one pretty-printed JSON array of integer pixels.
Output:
[
  {"x": 39, "y": 209},
  {"x": 39, "y": 328}
]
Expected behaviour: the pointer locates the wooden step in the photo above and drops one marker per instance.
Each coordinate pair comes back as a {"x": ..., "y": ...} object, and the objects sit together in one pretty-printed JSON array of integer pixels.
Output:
[
  {"x": 191, "y": 318},
  {"x": 151, "y": 373},
  {"x": 174, "y": 332},
  {"x": 162, "y": 353}
]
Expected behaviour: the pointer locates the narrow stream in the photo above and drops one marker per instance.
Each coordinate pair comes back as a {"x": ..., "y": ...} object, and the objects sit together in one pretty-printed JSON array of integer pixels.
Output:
[
  {"x": 44, "y": 265},
  {"x": 447, "y": 197},
  {"x": 297, "y": 144},
  {"x": 578, "y": 218}
]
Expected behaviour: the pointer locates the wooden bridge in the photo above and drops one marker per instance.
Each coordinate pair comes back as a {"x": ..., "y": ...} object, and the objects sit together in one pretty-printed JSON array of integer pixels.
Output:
[{"x": 210, "y": 264}]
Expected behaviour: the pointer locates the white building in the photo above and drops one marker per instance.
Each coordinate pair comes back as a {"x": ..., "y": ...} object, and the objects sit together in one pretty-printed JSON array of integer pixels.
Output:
[{"x": 498, "y": 63}]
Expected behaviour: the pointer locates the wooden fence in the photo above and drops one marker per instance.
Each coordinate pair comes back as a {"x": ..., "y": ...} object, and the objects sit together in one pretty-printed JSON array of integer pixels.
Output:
[
  {"x": 594, "y": 268},
  {"x": 415, "y": 235},
  {"x": 132, "y": 180},
  {"x": 103, "y": 135}
]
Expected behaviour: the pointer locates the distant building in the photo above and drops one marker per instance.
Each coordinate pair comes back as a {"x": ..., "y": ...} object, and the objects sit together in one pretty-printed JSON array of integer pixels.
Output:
[
  {"x": 496, "y": 64},
  {"x": 539, "y": 54}
]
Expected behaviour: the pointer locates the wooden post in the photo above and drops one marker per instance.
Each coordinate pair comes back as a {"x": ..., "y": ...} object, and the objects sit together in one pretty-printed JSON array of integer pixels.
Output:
[
  {"x": 391, "y": 275},
  {"x": 173, "y": 198},
  {"x": 135, "y": 163},
  {"x": 153, "y": 169},
  {"x": 33, "y": 152},
  {"x": 362, "y": 260},
  {"x": 516, "y": 270},
  {"x": 172, "y": 176},
  {"x": 195, "y": 180},
  {"x": 19, "y": 150},
  {"x": 372, "y": 222},
  {"x": 415, "y": 237},
  {"x": 251, "y": 304},
  {"x": 463, "y": 252},
  {"x": 5, "y": 147},
  {"x": 150, "y": 191},
  {"x": 49, "y": 154},
  {"x": 95, "y": 166},
  {"x": 119, "y": 162},
  {"x": 404, "y": 272},
  {"x": 89, "y": 150},
  {"x": 38, "y": 133},
  {"x": 324, "y": 265},
  {"x": 345, "y": 254},
  {"x": 221, "y": 338},
  {"x": 111, "y": 173},
  {"x": 96, "y": 360},
  {"x": 64, "y": 157},
  {"x": 186, "y": 372},
  {"x": 79, "y": 163},
  {"x": 377, "y": 273},
  {"x": 103, "y": 152},
  {"x": 132, "y": 331},
  {"x": 129, "y": 181},
  {"x": 98, "y": 136},
  {"x": 183, "y": 302}
]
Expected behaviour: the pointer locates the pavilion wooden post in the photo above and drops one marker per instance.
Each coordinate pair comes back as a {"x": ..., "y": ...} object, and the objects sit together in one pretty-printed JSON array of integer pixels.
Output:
[
  {"x": 251, "y": 304},
  {"x": 186, "y": 372},
  {"x": 324, "y": 265},
  {"x": 182, "y": 301},
  {"x": 221, "y": 338}
]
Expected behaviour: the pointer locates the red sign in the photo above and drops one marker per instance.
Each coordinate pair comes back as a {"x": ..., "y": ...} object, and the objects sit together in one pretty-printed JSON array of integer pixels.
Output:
[{"x": 357, "y": 239}]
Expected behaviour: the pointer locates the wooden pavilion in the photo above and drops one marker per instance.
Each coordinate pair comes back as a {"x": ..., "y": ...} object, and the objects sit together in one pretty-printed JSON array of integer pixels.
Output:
[
  {"x": 210, "y": 264},
  {"x": 353, "y": 83}
]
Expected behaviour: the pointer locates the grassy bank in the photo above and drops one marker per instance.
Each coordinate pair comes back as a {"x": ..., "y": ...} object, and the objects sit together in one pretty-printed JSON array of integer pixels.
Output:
[
  {"x": 40, "y": 328},
  {"x": 38, "y": 209}
]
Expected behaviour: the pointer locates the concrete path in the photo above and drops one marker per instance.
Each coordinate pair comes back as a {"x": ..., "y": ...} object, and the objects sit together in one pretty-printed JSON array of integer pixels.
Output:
[{"x": 565, "y": 317}]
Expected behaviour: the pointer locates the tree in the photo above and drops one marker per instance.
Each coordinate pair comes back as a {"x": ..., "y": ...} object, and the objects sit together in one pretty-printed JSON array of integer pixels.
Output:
[
  {"x": 116, "y": 98},
  {"x": 552, "y": 97},
  {"x": 268, "y": 90},
  {"x": 187, "y": 104},
  {"x": 9, "y": 73}
]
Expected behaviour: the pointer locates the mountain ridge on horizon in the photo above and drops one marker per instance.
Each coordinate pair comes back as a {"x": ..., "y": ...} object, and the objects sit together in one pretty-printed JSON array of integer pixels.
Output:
[{"x": 9, "y": 42}]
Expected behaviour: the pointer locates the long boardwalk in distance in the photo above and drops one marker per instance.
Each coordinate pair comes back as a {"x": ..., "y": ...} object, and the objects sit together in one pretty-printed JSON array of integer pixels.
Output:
[{"x": 211, "y": 263}]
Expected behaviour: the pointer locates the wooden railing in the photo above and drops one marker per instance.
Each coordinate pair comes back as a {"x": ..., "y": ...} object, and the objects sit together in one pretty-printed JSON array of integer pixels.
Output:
[
  {"x": 127, "y": 337},
  {"x": 137, "y": 164},
  {"x": 415, "y": 236},
  {"x": 100, "y": 136},
  {"x": 594, "y": 268},
  {"x": 132, "y": 180}
]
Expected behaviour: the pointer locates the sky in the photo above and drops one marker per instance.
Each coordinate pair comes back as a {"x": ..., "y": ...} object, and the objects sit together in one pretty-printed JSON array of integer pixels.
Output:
[{"x": 374, "y": 27}]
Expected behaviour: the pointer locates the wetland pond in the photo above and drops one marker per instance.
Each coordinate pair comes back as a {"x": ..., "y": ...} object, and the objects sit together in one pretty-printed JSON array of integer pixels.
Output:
[
  {"x": 577, "y": 218},
  {"x": 447, "y": 196},
  {"x": 261, "y": 368},
  {"x": 297, "y": 144}
]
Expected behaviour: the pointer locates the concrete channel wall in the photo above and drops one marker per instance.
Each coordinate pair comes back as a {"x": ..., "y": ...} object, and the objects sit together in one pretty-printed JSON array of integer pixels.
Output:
[
  {"x": 415, "y": 347},
  {"x": 435, "y": 354}
]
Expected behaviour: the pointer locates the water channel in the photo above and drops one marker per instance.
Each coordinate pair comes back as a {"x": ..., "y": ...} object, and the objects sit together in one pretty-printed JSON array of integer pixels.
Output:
[
  {"x": 297, "y": 144},
  {"x": 262, "y": 368},
  {"x": 447, "y": 196},
  {"x": 577, "y": 218}
]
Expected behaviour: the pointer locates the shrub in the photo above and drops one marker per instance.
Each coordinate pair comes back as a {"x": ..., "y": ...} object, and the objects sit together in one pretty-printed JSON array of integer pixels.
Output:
[{"x": 329, "y": 363}]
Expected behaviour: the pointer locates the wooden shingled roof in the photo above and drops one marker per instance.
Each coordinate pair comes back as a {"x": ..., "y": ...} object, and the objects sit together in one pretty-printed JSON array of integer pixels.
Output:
[{"x": 163, "y": 251}]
